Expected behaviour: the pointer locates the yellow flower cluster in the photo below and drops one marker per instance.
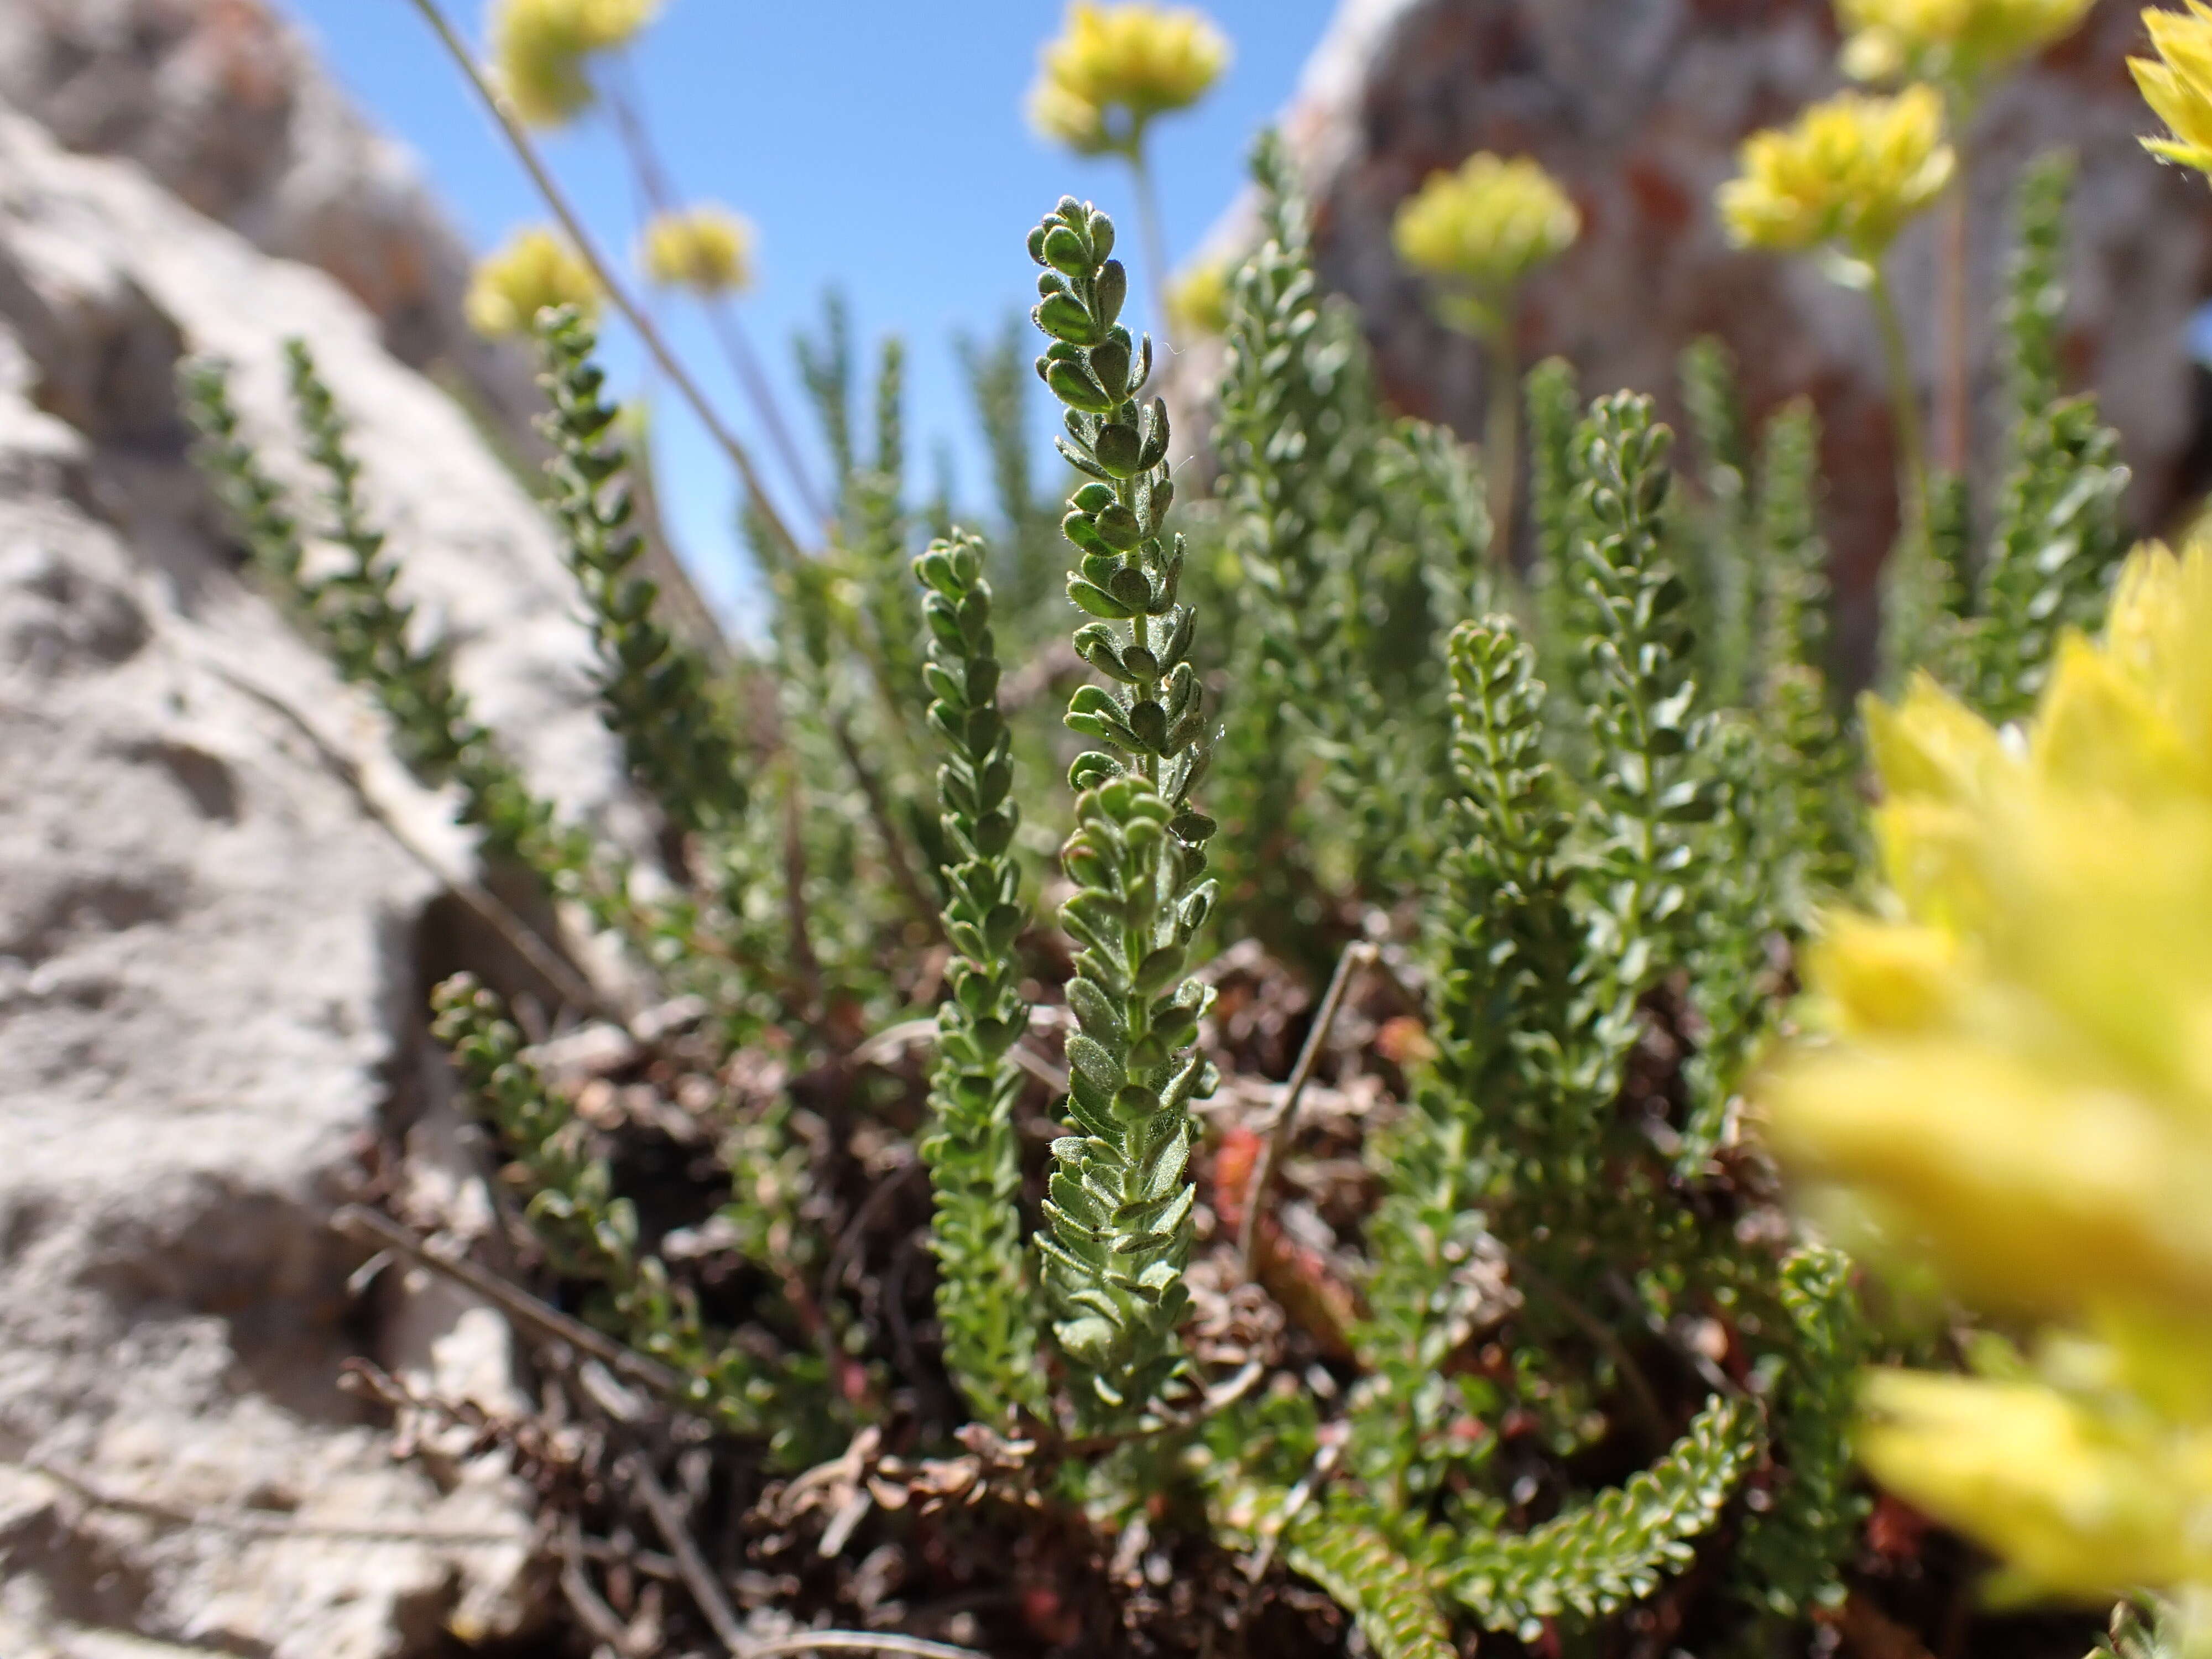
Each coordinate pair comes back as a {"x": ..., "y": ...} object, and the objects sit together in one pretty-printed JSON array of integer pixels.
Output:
[
  {"x": 1960, "y": 42},
  {"x": 1115, "y": 67},
  {"x": 540, "y": 49},
  {"x": 534, "y": 270},
  {"x": 1849, "y": 175},
  {"x": 2177, "y": 85},
  {"x": 707, "y": 249},
  {"x": 1198, "y": 302},
  {"x": 1485, "y": 227},
  {"x": 2017, "y": 1088}
]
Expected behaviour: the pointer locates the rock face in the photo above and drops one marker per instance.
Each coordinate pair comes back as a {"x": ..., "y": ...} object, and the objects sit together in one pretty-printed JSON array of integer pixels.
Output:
[
  {"x": 219, "y": 904},
  {"x": 225, "y": 106},
  {"x": 1638, "y": 106}
]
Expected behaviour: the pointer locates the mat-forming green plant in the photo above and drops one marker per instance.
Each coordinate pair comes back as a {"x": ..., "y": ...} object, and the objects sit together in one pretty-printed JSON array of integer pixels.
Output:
[{"x": 1588, "y": 808}]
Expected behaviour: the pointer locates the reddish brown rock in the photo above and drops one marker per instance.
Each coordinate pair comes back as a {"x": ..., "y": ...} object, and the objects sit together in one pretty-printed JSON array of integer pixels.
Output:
[{"x": 1638, "y": 106}]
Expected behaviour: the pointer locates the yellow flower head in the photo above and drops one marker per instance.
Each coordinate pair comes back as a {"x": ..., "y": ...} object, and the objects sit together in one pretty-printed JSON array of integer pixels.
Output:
[
  {"x": 1486, "y": 226},
  {"x": 1198, "y": 300},
  {"x": 708, "y": 250},
  {"x": 1848, "y": 175},
  {"x": 2079, "y": 1502},
  {"x": 1115, "y": 67},
  {"x": 1960, "y": 41},
  {"x": 540, "y": 48},
  {"x": 2016, "y": 1086},
  {"x": 2177, "y": 84},
  {"x": 534, "y": 270},
  {"x": 2022, "y": 1063}
]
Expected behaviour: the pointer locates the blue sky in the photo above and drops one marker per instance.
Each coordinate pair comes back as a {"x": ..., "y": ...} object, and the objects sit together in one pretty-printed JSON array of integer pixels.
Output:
[{"x": 875, "y": 145}]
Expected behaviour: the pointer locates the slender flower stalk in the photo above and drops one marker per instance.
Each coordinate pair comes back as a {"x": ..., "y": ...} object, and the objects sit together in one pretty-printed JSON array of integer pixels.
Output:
[
  {"x": 1905, "y": 405},
  {"x": 516, "y": 131},
  {"x": 1960, "y": 47},
  {"x": 1480, "y": 231},
  {"x": 715, "y": 299},
  {"x": 1113, "y": 70},
  {"x": 1850, "y": 174}
]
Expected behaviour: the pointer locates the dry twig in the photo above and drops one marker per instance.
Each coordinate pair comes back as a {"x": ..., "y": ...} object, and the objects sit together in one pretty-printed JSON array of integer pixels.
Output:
[
  {"x": 371, "y": 1227},
  {"x": 1356, "y": 955},
  {"x": 698, "y": 1577}
]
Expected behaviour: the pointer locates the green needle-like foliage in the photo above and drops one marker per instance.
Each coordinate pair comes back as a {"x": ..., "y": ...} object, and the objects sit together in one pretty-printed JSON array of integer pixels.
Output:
[
  {"x": 875, "y": 535},
  {"x": 2035, "y": 287},
  {"x": 1926, "y": 592},
  {"x": 984, "y": 1296},
  {"x": 1305, "y": 451},
  {"x": 369, "y": 625},
  {"x": 1586, "y": 820},
  {"x": 591, "y": 1233},
  {"x": 1727, "y": 612},
  {"x": 1814, "y": 809},
  {"x": 1567, "y": 905},
  {"x": 1554, "y": 408},
  {"x": 2060, "y": 537},
  {"x": 1120, "y": 1210},
  {"x": 825, "y": 369},
  {"x": 1594, "y": 1560},
  {"x": 1391, "y": 1599},
  {"x": 653, "y": 692},
  {"x": 1792, "y": 1554},
  {"x": 1026, "y": 552},
  {"x": 2059, "y": 532},
  {"x": 1506, "y": 954},
  {"x": 1793, "y": 617},
  {"x": 1646, "y": 792},
  {"x": 368, "y": 631}
]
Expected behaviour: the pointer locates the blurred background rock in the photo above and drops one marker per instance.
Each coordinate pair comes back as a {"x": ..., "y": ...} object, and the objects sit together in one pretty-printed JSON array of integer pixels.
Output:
[{"x": 1638, "y": 106}]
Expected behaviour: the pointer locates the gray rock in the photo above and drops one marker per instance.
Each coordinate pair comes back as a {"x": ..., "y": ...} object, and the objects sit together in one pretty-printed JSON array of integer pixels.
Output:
[
  {"x": 220, "y": 904},
  {"x": 1638, "y": 106}
]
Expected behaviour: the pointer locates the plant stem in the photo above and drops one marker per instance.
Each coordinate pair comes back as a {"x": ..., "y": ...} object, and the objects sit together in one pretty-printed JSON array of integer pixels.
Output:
[
  {"x": 722, "y": 318},
  {"x": 1905, "y": 405},
  {"x": 1154, "y": 238},
  {"x": 517, "y": 138},
  {"x": 1954, "y": 394},
  {"x": 1501, "y": 435}
]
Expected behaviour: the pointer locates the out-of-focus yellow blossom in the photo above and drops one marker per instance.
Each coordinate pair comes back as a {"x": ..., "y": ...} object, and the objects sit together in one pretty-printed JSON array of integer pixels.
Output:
[
  {"x": 708, "y": 250},
  {"x": 1484, "y": 226},
  {"x": 2016, "y": 1081},
  {"x": 1848, "y": 174},
  {"x": 2080, "y": 1500},
  {"x": 1198, "y": 302},
  {"x": 533, "y": 270},
  {"x": 1115, "y": 67},
  {"x": 1958, "y": 42},
  {"x": 540, "y": 49},
  {"x": 2177, "y": 84}
]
